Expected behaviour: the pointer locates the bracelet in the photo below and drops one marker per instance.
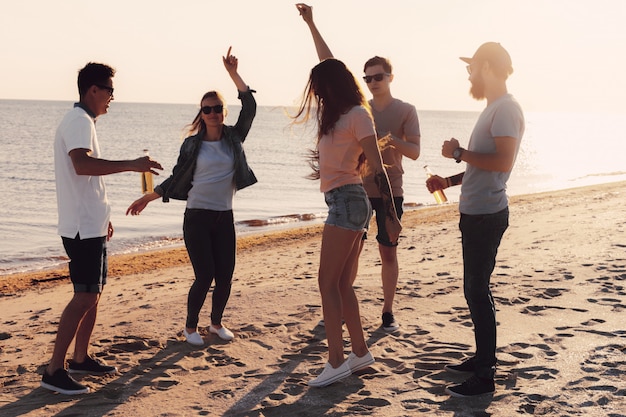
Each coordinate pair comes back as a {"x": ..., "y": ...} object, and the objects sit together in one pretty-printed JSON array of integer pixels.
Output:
[
  {"x": 448, "y": 184},
  {"x": 456, "y": 179}
]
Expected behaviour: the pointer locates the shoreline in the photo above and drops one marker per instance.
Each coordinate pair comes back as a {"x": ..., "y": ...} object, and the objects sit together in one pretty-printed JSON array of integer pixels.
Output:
[{"x": 140, "y": 262}]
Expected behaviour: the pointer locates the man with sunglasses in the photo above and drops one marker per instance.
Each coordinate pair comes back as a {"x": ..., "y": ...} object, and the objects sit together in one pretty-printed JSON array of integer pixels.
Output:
[
  {"x": 84, "y": 224},
  {"x": 483, "y": 204},
  {"x": 397, "y": 126}
]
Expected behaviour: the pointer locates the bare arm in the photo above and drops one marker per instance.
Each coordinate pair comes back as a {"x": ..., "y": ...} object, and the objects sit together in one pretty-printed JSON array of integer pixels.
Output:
[
  {"x": 372, "y": 153},
  {"x": 409, "y": 147},
  {"x": 322, "y": 49},
  {"x": 500, "y": 161},
  {"x": 138, "y": 205},
  {"x": 231, "y": 63},
  {"x": 85, "y": 164}
]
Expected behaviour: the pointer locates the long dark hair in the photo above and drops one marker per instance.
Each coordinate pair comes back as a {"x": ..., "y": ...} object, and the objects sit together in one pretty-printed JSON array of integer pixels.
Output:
[{"x": 333, "y": 91}]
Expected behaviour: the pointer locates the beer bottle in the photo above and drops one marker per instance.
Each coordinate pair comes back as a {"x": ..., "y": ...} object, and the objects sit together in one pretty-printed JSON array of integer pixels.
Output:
[
  {"x": 439, "y": 195},
  {"x": 147, "y": 185}
]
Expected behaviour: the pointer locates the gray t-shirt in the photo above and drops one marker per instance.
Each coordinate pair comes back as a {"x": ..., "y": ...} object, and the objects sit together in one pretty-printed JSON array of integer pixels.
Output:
[
  {"x": 400, "y": 120},
  {"x": 484, "y": 192}
]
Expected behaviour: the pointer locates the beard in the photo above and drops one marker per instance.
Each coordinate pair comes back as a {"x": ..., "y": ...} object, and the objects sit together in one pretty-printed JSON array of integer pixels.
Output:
[{"x": 477, "y": 90}]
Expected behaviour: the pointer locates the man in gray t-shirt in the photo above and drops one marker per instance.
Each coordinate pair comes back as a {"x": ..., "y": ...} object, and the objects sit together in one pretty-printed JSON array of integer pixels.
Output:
[{"x": 483, "y": 204}]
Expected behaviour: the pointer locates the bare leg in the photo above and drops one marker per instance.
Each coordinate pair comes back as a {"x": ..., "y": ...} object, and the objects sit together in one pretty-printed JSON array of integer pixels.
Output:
[
  {"x": 83, "y": 334},
  {"x": 339, "y": 250},
  {"x": 75, "y": 311},
  {"x": 355, "y": 268},
  {"x": 389, "y": 275},
  {"x": 350, "y": 303}
]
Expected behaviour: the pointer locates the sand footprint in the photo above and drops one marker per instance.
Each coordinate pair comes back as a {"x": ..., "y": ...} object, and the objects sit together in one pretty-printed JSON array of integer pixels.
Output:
[
  {"x": 163, "y": 384},
  {"x": 606, "y": 361}
]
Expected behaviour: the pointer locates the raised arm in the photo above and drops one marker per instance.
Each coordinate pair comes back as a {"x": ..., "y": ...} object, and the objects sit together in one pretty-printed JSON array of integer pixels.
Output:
[
  {"x": 322, "y": 49},
  {"x": 231, "y": 63}
]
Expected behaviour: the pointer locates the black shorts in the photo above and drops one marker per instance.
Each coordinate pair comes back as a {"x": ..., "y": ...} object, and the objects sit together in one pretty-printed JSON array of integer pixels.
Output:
[
  {"x": 88, "y": 263},
  {"x": 377, "y": 206}
]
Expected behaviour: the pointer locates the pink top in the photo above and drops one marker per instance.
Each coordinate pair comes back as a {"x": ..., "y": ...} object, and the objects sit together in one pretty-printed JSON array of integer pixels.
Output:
[{"x": 339, "y": 151}]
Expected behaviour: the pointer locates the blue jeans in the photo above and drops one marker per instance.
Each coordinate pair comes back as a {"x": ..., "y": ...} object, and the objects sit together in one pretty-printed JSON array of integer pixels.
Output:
[{"x": 481, "y": 236}]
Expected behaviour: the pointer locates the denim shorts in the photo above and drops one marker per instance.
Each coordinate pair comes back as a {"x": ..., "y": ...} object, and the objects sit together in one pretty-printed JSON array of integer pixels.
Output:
[
  {"x": 348, "y": 207},
  {"x": 88, "y": 263}
]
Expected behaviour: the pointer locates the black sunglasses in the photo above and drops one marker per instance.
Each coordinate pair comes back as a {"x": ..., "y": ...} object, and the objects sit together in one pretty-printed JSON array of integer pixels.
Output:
[
  {"x": 378, "y": 77},
  {"x": 217, "y": 109},
  {"x": 106, "y": 87}
]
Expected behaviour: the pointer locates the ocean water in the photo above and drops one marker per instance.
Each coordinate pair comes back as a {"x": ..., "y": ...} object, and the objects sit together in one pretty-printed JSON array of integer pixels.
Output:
[{"x": 558, "y": 151}]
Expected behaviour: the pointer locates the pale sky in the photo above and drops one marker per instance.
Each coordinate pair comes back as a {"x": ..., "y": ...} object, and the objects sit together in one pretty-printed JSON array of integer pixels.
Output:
[{"x": 568, "y": 55}]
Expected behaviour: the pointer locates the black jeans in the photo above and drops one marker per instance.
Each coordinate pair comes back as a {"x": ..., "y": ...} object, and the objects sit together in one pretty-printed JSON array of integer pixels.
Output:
[
  {"x": 211, "y": 243},
  {"x": 481, "y": 236}
]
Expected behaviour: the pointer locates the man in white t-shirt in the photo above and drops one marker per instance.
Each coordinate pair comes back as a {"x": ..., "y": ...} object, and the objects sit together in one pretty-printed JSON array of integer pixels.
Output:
[{"x": 84, "y": 224}]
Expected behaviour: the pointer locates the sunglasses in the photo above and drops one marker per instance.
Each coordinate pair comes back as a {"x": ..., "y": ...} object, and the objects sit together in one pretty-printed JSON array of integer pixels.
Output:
[
  {"x": 106, "y": 87},
  {"x": 217, "y": 109},
  {"x": 377, "y": 77}
]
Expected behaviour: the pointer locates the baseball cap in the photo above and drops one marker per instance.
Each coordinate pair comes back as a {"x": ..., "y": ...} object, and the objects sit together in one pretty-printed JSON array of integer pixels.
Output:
[{"x": 493, "y": 53}]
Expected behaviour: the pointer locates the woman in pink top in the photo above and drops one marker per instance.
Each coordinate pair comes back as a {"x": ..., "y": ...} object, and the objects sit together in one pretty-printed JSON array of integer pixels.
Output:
[{"x": 345, "y": 134}]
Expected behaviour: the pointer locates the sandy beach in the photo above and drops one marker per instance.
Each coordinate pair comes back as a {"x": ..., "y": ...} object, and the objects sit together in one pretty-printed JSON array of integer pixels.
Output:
[{"x": 559, "y": 287}]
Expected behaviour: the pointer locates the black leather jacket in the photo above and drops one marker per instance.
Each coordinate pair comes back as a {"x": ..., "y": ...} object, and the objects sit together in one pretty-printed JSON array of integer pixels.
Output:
[{"x": 177, "y": 186}]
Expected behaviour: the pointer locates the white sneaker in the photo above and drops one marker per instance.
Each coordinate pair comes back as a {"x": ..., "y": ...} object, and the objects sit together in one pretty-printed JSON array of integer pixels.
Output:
[
  {"x": 193, "y": 338},
  {"x": 355, "y": 363},
  {"x": 222, "y": 332},
  {"x": 330, "y": 375}
]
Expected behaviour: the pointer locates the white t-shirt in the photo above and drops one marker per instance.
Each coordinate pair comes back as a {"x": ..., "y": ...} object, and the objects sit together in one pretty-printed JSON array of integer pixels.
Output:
[
  {"x": 82, "y": 202},
  {"x": 213, "y": 184}
]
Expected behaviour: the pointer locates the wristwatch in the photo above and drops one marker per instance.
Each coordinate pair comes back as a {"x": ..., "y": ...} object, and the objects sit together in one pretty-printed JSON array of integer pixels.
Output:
[{"x": 457, "y": 153}]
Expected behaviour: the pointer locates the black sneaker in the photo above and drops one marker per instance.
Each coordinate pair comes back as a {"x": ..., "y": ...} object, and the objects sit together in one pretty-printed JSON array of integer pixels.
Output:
[
  {"x": 466, "y": 367},
  {"x": 472, "y": 387},
  {"x": 90, "y": 366},
  {"x": 389, "y": 323},
  {"x": 62, "y": 383}
]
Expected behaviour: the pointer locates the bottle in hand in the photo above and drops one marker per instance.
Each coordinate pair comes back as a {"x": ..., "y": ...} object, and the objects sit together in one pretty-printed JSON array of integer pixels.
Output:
[
  {"x": 439, "y": 195},
  {"x": 147, "y": 185}
]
